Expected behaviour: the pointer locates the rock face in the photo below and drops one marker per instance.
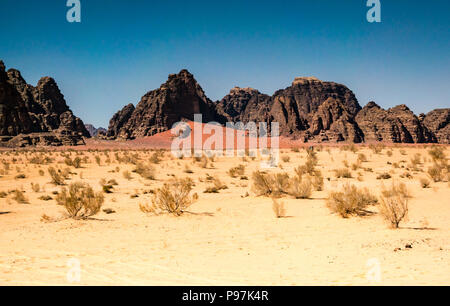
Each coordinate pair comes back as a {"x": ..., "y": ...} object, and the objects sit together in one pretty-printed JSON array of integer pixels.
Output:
[
  {"x": 176, "y": 100},
  {"x": 310, "y": 109},
  {"x": 398, "y": 125},
  {"x": 95, "y": 132},
  {"x": 438, "y": 122},
  {"x": 118, "y": 121},
  {"x": 36, "y": 115}
]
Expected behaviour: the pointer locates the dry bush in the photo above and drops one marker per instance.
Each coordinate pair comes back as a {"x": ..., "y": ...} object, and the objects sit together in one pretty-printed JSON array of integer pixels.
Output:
[
  {"x": 351, "y": 201},
  {"x": 278, "y": 208},
  {"x": 56, "y": 176},
  {"x": 394, "y": 205},
  {"x": 384, "y": 176},
  {"x": 19, "y": 197},
  {"x": 424, "y": 183},
  {"x": 145, "y": 171},
  {"x": 362, "y": 158},
  {"x": 127, "y": 175},
  {"x": 41, "y": 172},
  {"x": 237, "y": 171},
  {"x": 35, "y": 187},
  {"x": 389, "y": 153},
  {"x": 300, "y": 188},
  {"x": 437, "y": 154},
  {"x": 3, "y": 194},
  {"x": 80, "y": 200},
  {"x": 439, "y": 172},
  {"x": 173, "y": 198},
  {"x": 265, "y": 184},
  {"x": 416, "y": 160},
  {"x": 156, "y": 157},
  {"x": 216, "y": 187},
  {"x": 396, "y": 188},
  {"x": 188, "y": 170},
  {"x": 20, "y": 176},
  {"x": 286, "y": 159},
  {"x": 343, "y": 173},
  {"x": 76, "y": 162}
]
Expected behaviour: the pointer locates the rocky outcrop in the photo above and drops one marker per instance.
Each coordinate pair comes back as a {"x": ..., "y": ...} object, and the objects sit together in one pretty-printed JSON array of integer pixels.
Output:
[
  {"x": 180, "y": 98},
  {"x": 438, "y": 122},
  {"x": 332, "y": 122},
  {"x": 310, "y": 110},
  {"x": 243, "y": 105},
  {"x": 28, "y": 110},
  {"x": 118, "y": 121},
  {"x": 95, "y": 132},
  {"x": 397, "y": 125}
]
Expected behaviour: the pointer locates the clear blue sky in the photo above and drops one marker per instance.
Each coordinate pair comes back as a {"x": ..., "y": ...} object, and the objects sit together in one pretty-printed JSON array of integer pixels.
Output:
[{"x": 122, "y": 49}]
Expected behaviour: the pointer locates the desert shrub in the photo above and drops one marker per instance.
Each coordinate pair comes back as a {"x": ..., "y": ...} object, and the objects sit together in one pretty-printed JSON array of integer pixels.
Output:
[
  {"x": 437, "y": 153},
  {"x": 265, "y": 184},
  {"x": 396, "y": 188},
  {"x": 376, "y": 148},
  {"x": 350, "y": 201},
  {"x": 35, "y": 187},
  {"x": 237, "y": 171},
  {"x": 362, "y": 158},
  {"x": 394, "y": 205},
  {"x": 56, "y": 176},
  {"x": 416, "y": 160},
  {"x": 76, "y": 162},
  {"x": 41, "y": 172},
  {"x": 80, "y": 200},
  {"x": 343, "y": 173},
  {"x": 19, "y": 197},
  {"x": 216, "y": 187},
  {"x": 439, "y": 171},
  {"x": 98, "y": 160},
  {"x": 156, "y": 157},
  {"x": 145, "y": 171},
  {"x": 300, "y": 188},
  {"x": 384, "y": 176},
  {"x": 188, "y": 170},
  {"x": 389, "y": 153},
  {"x": 3, "y": 194},
  {"x": 173, "y": 198},
  {"x": 278, "y": 208},
  {"x": 107, "y": 188},
  {"x": 286, "y": 158},
  {"x": 127, "y": 175},
  {"x": 20, "y": 176},
  {"x": 424, "y": 183},
  {"x": 45, "y": 198}
]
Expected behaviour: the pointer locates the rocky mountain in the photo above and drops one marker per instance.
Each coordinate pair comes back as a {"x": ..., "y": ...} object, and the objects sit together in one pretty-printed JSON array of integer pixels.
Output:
[
  {"x": 398, "y": 125},
  {"x": 35, "y": 115},
  {"x": 310, "y": 109},
  {"x": 176, "y": 100},
  {"x": 438, "y": 123},
  {"x": 95, "y": 132}
]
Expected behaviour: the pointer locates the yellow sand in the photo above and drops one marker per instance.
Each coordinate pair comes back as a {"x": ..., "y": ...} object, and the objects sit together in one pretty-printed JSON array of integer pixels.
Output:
[{"x": 226, "y": 238}]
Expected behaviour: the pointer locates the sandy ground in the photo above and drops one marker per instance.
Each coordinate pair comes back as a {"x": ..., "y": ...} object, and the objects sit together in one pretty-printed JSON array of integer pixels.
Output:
[{"x": 225, "y": 238}]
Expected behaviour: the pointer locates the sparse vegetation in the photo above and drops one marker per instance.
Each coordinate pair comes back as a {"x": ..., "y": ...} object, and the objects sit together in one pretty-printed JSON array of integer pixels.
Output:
[
  {"x": 80, "y": 200},
  {"x": 394, "y": 205},
  {"x": 350, "y": 201},
  {"x": 173, "y": 198}
]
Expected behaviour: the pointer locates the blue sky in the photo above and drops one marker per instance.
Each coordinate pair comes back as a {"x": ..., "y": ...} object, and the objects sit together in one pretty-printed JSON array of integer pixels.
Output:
[{"x": 122, "y": 49}]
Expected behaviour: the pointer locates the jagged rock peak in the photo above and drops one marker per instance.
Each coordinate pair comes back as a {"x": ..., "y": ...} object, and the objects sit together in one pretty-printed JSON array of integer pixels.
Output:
[{"x": 35, "y": 115}]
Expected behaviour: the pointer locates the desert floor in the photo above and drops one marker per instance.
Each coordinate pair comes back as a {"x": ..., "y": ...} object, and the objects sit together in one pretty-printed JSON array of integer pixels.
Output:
[{"x": 229, "y": 238}]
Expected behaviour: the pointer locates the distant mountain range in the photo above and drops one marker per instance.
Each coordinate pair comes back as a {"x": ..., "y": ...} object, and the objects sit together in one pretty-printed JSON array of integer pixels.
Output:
[{"x": 309, "y": 110}]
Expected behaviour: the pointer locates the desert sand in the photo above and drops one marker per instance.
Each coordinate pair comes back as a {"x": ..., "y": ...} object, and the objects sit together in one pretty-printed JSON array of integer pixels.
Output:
[{"x": 229, "y": 238}]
